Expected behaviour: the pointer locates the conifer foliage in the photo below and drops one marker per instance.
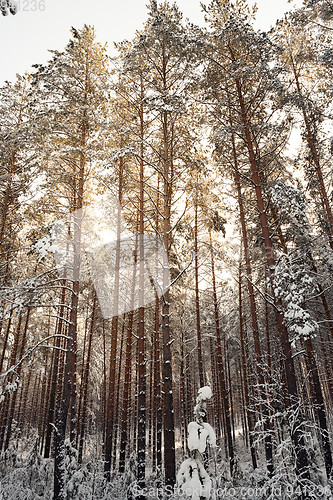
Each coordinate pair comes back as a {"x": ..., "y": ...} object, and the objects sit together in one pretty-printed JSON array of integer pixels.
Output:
[{"x": 179, "y": 340}]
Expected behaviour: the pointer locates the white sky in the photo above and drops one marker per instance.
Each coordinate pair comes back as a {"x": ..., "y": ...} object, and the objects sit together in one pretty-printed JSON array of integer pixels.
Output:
[{"x": 25, "y": 38}]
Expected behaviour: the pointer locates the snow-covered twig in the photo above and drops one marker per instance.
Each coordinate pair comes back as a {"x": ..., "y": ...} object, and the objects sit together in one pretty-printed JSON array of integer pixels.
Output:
[
  {"x": 28, "y": 352},
  {"x": 263, "y": 295}
]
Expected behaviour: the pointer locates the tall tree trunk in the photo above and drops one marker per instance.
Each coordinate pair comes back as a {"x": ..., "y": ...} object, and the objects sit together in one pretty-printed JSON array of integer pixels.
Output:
[
  {"x": 196, "y": 271},
  {"x": 215, "y": 383},
  {"x": 245, "y": 377},
  {"x": 104, "y": 386},
  {"x": 114, "y": 338},
  {"x": 157, "y": 356},
  {"x": 79, "y": 412},
  {"x": 230, "y": 391},
  {"x": 220, "y": 367},
  {"x": 46, "y": 400},
  {"x": 24, "y": 409},
  {"x": 297, "y": 433},
  {"x": 120, "y": 367},
  {"x": 320, "y": 407},
  {"x": 18, "y": 372},
  {"x": 43, "y": 396},
  {"x": 69, "y": 381},
  {"x": 6, "y": 405},
  {"x": 52, "y": 404},
  {"x": 85, "y": 382},
  {"x": 6, "y": 340},
  {"x": 183, "y": 391},
  {"x": 167, "y": 165},
  {"x": 150, "y": 410},
  {"x": 141, "y": 326},
  {"x": 34, "y": 403},
  {"x": 315, "y": 156},
  {"x": 255, "y": 327},
  {"x": 268, "y": 341},
  {"x": 6, "y": 201},
  {"x": 243, "y": 405},
  {"x": 125, "y": 420}
]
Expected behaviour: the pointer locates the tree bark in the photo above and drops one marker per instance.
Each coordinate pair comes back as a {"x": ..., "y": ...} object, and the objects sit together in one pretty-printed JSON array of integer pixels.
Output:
[
  {"x": 220, "y": 367},
  {"x": 315, "y": 156},
  {"x": 141, "y": 326},
  {"x": 169, "y": 430},
  {"x": 320, "y": 408},
  {"x": 297, "y": 434},
  {"x": 114, "y": 337},
  {"x": 6, "y": 404},
  {"x": 85, "y": 381},
  {"x": 197, "y": 299},
  {"x": 255, "y": 327},
  {"x": 125, "y": 420},
  {"x": 69, "y": 381}
]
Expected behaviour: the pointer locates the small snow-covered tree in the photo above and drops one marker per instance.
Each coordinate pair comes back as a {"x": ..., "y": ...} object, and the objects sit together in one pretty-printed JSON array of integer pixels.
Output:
[
  {"x": 293, "y": 284},
  {"x": 192, "y": 478}
]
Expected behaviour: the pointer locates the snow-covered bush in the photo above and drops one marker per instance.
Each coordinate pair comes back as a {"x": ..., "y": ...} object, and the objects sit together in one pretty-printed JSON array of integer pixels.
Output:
[
  {"x": 192, "y": 479},
  {"x": 25, "y": 479}
]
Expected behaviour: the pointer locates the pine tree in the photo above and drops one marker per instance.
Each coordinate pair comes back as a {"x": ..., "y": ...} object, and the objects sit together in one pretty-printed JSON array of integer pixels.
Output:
[
  {"x": 72, "y": 88},
  {"x": 164, "y": 58},
  {"x": 235, "y": 75},
  {"x": 293, "y": 281},
  {"x": 301, "y": 59}
]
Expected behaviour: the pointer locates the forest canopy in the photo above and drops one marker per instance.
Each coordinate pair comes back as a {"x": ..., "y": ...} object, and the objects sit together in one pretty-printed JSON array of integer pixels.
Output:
[{"x": 166, "y": 257}]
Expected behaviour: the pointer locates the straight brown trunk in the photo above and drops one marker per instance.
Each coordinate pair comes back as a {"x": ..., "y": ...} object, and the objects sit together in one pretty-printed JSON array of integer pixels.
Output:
[
  {"x": 104, "y": 386},
  {"x": 125, "y": 419},
  {"x": 243, "y": 404},
  {"x": 85, "y": 382},
  {"x": 255, "y": 327},
  {"x": 141, "y": 326},
  {"x": 7, "y": 404},
  {"x": 297, "y": 434},
  {"x": 34, "y": 403},
  {"x": 120, "y": 367},
  {"x": 220, "y": 367},
  {"x": 157, "y": 361},
  {"x": 6, "y": 202},
  {"x": 245, "y": 377},
  {"x": 315, "y": 156},
  {"x": 230, "y": 391},
  {"x": 183, "y": 392},
  {"x": 47, "y": 401},
  {"x": 197, "y": 300},
  {"x": 23, "y": 405},
  {"x": 169, "y": 428},
  {"x": 6, "y": 340},
  {"x": 43, "y": 397},
  {"x": 79, "y": 412},
  {"x": 320, "y": 407},
  {"x": 69, "y": 381},
  {"x": 114, "y": 338},
  {"x": 268, "y": 341},
  {"x": 150, "y": 411},
  {"x": 216, "y": 399},
  {"x": 135, "y": 409},
  {"x": 54, "y": 383}
]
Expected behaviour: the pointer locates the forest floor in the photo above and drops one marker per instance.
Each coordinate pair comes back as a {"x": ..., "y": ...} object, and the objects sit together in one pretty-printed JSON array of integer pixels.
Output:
[{"x": 25, "y": 475}]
